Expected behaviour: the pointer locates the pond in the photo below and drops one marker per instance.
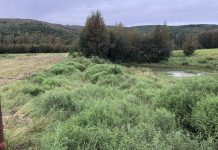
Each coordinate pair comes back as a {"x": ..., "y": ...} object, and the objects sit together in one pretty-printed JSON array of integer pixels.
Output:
[
  {"x": 184, "y": 74},
  {"x": 179, "y": 72}
]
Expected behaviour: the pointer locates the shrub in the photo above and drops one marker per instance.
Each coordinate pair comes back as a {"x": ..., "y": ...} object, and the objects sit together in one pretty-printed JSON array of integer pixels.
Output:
[
  {"x": 208, "y": 39},
  {"x": 76, "y": 65},
  {"x": 55, "y": 81},
  {"x": 185, "y": 63},
  {"x": 33, "y": 89},
  {"x": 128, "y": 83},
  {"x": 58, "y": 70},
  {"x": 179, "y": 141},
  {"x": 205, "y": 116},
  {"x": 190, "y": 45},
  {"x": 38, "y": 78},
  {"x": 108, "y": 123},
  {"x": 62, "y": 69},
  {"x": 114, "y": 113},
  {"x": 145, "y": 89},
  {"x": 124, "y": 45},
  {"x": 164, "y": 120},
  {"x": 106, "y": 74},
  {"x": 144, "y": 133},
  {"x": 58, "y": 100},
  {"x": 77, "y": 137},
  {"x": 83, "y": 61},
  {"x": 157, "y": 46},
  {"x": 97, "y": 60},
  {"x": 182, "y": 97}
]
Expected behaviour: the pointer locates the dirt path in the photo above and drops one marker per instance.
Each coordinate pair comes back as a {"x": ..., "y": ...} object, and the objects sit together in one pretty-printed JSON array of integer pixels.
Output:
[{"x": 20, "y": 66}]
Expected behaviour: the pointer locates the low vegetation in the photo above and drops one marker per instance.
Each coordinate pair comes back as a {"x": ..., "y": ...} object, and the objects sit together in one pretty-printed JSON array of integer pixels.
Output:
[
  {"x": 202, "y": 59},
  {"x": 88, "y": 102},
  {"x": 19, "y": 66},
  {"x": 84, "y": 103}
]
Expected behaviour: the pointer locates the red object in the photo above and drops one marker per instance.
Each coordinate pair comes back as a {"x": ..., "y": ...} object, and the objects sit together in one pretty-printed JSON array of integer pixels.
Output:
[{"x": 2, "y": 143}]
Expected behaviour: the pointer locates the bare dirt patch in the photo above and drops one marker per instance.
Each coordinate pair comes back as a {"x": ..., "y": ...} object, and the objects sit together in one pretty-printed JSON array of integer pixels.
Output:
[{"x": 20, "y": 66}]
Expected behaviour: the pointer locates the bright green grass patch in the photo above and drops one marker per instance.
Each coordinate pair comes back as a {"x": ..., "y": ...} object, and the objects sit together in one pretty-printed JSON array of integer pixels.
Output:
[
  {"x": 206, "y": 58},
  {"x": 91, "y": 104}
]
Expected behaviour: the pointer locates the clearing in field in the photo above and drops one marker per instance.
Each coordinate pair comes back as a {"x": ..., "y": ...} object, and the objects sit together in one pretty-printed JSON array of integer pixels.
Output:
[{"x": 16, "y": 67}]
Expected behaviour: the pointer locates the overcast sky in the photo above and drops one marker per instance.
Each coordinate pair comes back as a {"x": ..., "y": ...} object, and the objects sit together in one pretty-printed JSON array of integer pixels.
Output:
[{"x": 129, "y": 12}]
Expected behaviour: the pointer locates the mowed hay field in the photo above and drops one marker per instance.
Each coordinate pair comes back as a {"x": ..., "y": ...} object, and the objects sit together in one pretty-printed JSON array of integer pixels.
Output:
[
  {"x": 91, "y": 103},
  {"x": 18, "y": 66}
]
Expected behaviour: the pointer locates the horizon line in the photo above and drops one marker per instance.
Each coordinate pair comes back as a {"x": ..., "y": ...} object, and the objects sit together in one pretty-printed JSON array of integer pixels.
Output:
[{"x": 139, "y": 25}]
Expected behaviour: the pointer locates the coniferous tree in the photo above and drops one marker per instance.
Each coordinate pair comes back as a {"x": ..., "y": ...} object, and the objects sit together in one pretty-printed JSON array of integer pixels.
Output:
[
  {"x": 209, "y": 39},
  {"x": 158, "y": 45},
  {"x": 118, "y": 42},
  {"x": 94, "y": 38},
  {"x": 190, "y": 44},
  {"x": 124, "y": 44}
]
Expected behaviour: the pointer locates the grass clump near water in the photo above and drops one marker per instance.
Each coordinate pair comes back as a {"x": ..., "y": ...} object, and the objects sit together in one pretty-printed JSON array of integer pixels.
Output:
[{"x": 91, "y": 104}]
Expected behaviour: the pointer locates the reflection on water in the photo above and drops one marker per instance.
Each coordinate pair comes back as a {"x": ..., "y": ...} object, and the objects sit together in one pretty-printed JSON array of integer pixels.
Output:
[{"x": 183, "y": 74}]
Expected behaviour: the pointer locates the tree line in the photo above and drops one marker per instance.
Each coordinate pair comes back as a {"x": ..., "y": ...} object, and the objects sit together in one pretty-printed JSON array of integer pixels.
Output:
[
  {"x": 207, "y": 39},
  {"x": 33, "y": 38},
  {"x": 116, "y": 43},
  {"x": 121, "y": 45}
]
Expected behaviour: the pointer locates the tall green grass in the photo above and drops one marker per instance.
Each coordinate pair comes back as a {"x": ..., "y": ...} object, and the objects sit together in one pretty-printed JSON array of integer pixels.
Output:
[{"x": 92, "y": 104}]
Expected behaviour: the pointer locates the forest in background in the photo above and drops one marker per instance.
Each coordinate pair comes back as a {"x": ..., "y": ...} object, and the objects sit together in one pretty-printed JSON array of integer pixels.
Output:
[
  {"x": 111, "y": 98},
  {"x": 25, "y": 36}
]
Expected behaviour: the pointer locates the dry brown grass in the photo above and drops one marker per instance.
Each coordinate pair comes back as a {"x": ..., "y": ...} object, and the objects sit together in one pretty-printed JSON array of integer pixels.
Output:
[
  {"x": 20, "y": 66},
  {"x": 145, "y": 72}
]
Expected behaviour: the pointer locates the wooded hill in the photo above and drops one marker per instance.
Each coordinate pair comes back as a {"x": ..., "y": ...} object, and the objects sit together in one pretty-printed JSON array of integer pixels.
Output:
[
  {"x": 179, "y": 33},
  {"x": 193, "y": 28},
  {"x": 26, "y": 35}
]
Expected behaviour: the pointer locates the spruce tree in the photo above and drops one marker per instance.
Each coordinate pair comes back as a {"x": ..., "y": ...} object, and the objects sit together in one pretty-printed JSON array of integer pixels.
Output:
[
  {"x": 158, "y": 45},
  {"x": 94, "y": 38},
  {"x": 190, "y": 45}
]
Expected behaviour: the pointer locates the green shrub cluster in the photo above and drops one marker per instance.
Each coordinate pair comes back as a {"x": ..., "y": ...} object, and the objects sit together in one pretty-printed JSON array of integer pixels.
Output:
[
  {"x": 106, "y": 74},
  {"x": 102, "y": 106},
  {"x": 205, "y": 116},
  {"x": 190, "y": 100},
  {"x": 122, "y": 45}
]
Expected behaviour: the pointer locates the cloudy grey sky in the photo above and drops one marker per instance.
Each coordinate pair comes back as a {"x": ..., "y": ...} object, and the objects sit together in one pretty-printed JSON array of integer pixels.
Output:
[{"x": 129, "y": 12}]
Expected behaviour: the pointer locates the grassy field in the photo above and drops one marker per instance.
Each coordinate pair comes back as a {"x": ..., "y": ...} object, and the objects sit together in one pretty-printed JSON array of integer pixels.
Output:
[
  {"x": 85, "y": 103},
  {"x": 18, "y": 66},
  {"x": 203, "y": 59}
]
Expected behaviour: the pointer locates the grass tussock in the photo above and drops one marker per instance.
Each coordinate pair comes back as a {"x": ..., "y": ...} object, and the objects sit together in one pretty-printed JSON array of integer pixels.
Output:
[{"x": 85, "y": 103}]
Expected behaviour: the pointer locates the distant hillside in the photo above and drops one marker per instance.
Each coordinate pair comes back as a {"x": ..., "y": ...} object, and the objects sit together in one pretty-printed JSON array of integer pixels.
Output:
[
  {"x": 64, "y": 28},
  {"x": 29, "y": 25},
  {"x": 21, "y": 26},
  {"x": 25, "y": 35},
  {"x": 179, "y": 33},
  {"x": 199, "y": 28},
  {"x": 145, "y": 29}
]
